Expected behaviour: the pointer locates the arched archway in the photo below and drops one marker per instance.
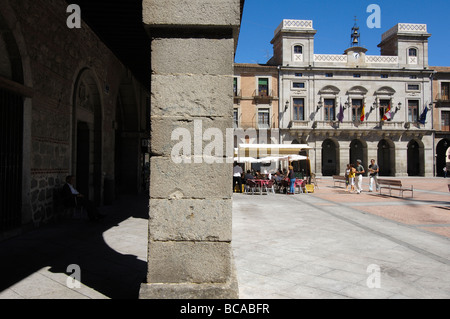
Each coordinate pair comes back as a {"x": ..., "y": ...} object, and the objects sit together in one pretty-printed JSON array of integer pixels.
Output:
[
  {"x": 11, "y": 131},
  {"x": 358, "y": 151},
  {"x": 415, "y": 153},
  {"x": 87, "y": 136},
  {"x": 386, "y": 157},
  {"x": 330, "y": 157},
  {"x": 442, "y": 156}
]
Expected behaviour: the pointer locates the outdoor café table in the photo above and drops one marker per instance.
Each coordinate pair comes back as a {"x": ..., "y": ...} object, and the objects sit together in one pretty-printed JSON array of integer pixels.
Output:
[{"x": 261, "y": 183}]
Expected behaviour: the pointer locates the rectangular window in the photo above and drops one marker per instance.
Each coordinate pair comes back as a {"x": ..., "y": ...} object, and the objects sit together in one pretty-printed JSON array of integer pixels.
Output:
[
  {"x": 413, "y": 111},
  {"x": 356, "y": 109},
  {"x": 445, "y": 121},
  {"x": 298, "y": 85},
  {"x": 413, "y": 77},
  {"x": 329, "y": 108},
  {"x": 235, "y": 86},
  {"x": 299, "y": 75},
  {"x": 384, "y": 76},
  {"x": 356, "y": 75},
  {"x": 299, "y": 109},
  {"x": 263, "y": 87},
  {"x": 328, "y": 75},
  {"x": 413, "y": 87},
  {"x": 445, "y": 90},
  {"x": 263, "y": 118}
]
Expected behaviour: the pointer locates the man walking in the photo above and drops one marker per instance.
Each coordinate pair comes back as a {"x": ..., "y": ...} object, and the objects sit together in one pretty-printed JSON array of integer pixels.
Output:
[
  {"x": 359, "y": 175},
  {"x": 373, "y": 175}
]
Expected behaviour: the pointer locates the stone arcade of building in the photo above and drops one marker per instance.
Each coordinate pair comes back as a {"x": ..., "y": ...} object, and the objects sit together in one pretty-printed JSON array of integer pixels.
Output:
[
  {"x": 68, "y": 105},
  {"x": 77, "y": 101}
]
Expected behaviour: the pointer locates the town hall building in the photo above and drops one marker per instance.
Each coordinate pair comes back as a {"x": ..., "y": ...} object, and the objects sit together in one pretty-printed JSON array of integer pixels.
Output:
[{"x": 351, "y": 105}]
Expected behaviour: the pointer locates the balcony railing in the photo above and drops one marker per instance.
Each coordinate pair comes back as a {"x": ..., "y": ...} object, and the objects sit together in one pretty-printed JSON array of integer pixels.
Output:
[
  {"x": 442, "y": 97},
  {"x": 389, "y": 125},
  {"x": 263, "y": 96},
  {"x": 237, "y": 95},
  {"x": 255, "y": 125}
]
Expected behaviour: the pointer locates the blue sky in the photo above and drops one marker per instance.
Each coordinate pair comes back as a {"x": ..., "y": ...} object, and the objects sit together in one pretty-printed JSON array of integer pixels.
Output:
[{"x": 333, "y": 21}]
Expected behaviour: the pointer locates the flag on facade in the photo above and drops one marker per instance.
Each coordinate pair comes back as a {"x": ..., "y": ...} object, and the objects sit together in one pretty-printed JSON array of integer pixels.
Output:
[
  {"x": 341, "y": 114},
  {"x": 363, "y": 113},
  {"x": 423, "y": 116},
  {"x": 387, "y": 116}
]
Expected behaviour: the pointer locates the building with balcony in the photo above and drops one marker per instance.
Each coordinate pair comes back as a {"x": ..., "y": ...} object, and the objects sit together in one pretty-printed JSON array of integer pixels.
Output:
[
  {"x": 441, "y": 117},
  {"x": 351, "y": 105},
  {"x": 256, "y": 109}
]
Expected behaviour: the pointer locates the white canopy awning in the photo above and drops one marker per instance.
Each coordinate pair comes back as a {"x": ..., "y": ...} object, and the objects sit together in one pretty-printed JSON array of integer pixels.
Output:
[
  {"x": 244, "y": 159},
  {"x": 272, "y": 150}
]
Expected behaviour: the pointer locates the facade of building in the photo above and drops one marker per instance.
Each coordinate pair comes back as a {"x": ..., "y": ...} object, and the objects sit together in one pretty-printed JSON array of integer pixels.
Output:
[
  {"x": 255, "y": 108},
  {"x": 441, "y": 117},
  {"x": 255, "y": 97},
  {"x": 68, "y": 105},
  {"x": 336, "y": 103}
]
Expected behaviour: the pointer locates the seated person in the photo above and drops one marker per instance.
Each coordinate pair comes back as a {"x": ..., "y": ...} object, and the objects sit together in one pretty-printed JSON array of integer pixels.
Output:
[
  {"x": 259, "y": 175},
  {"x": 72, "y": 198},
  {"x": 248, "y": 175},
  {"x": 277, "y": 178}
]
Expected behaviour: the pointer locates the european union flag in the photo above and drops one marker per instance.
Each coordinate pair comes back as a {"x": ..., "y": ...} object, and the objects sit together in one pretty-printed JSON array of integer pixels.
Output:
[{"x": 423, "y": 116}]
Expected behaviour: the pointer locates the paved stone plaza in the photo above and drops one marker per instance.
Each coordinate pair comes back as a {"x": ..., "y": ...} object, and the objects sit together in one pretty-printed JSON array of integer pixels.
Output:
[
  {"x": 325, "y": 245},
  {"x": 317, "y": 245}
]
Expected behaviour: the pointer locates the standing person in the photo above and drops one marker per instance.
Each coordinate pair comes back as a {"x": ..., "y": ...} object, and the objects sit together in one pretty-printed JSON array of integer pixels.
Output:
[
  {"x": 359, "y": 176},
  {"x": 237, "y": 176},
  {"x": 351, "y": 177},
  {"x": 291, "y": 176},
  {"x": 373, "y": 175},
  {"x": 445, "y": 171},
  {"x": 347, "y": 177}
]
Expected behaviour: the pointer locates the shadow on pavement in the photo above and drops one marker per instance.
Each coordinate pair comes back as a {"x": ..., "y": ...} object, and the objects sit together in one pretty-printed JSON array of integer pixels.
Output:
[{"x": 79, "y": 242}]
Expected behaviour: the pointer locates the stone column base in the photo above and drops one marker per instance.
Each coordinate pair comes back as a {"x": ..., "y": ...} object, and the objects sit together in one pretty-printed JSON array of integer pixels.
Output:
[{"x": 228, "y": 290}]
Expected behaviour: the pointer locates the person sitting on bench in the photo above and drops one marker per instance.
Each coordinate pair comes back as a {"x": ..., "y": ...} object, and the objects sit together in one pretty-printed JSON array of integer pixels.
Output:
[{"x": 73, "y": 198}]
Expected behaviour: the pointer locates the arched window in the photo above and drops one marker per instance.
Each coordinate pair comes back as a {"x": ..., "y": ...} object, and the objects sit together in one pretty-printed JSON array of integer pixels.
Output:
[
  {"x": 412, "y": 56},
  {"x": 298, "y": 49},
  {"x": 297, "y": 55}
]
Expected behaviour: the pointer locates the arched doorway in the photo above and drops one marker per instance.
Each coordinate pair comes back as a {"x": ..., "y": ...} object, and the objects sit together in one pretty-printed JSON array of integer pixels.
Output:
[
  {"x": 386, "y": 158},
  {"x": 11, "y": 131},
  {"x": 130, "y": 154},
  {"x": 442, "y": 156},
  {"x": 330, "y": 158},
  {"x": 358, "y": 151},
  {"x": 87, "y": 144},
  {"x": 415, "y": 158}
]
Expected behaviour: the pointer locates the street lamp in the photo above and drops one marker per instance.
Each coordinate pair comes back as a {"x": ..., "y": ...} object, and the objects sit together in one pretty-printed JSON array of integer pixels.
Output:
[{"x": 319, "y": 105}]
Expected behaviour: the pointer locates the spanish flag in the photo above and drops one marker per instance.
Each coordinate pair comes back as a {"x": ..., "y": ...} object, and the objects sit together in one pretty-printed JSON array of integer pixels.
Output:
[
  {"x": 363, "y": 113},
  {"x": 387, "y": 116}
]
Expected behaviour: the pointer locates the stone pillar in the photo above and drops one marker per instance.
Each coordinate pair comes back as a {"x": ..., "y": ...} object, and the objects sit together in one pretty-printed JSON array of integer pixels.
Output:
[{"x": 189, "y": 251}]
